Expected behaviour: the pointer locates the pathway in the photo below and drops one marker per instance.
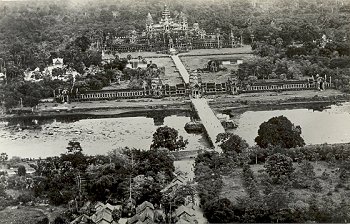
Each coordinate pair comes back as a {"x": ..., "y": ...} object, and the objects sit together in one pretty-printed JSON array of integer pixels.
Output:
[
  {"x": 187, "y": 167},
  {"x": 183, "y": 72},
  {"x": 211, "y": 123}
]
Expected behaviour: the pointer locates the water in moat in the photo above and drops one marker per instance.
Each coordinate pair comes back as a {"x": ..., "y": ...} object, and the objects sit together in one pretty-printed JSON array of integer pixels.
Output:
[
  {"x": 331, "y": 125},
  {"x": 100, "y": 135},
  {"x": 97, "y": 135}
]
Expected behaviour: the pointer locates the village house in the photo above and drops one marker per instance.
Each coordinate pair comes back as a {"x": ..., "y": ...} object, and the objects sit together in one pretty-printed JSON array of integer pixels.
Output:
[
  {"x": 102, "y": 214},
  {"x": 146, "y": 214},
  {"x": 186, "y": 214},
  {"x": 178, "y": 181}
]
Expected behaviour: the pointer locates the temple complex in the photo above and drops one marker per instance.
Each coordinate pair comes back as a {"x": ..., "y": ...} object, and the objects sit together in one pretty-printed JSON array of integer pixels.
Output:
[{"x": 169, "y": 35}]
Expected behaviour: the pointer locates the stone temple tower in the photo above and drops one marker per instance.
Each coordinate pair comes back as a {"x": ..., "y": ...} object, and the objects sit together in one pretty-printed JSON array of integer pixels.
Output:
[{"x": 149, "y": 23}]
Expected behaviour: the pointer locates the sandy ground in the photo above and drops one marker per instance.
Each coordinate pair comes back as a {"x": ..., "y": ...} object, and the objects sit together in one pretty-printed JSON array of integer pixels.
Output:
[
  {"x": 261, "y": 97},
  {"x": 105, "y": 104}
]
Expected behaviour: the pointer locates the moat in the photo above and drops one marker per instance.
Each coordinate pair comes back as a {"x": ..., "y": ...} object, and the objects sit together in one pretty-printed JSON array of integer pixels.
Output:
[{"x": 113, "y": 132}]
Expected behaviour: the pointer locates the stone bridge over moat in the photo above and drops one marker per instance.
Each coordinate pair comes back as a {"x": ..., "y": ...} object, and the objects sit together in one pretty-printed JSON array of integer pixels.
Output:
[{"x": 211, "y": 123}]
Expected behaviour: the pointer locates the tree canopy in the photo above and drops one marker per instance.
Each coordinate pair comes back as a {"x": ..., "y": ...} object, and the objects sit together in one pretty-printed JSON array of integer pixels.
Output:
[
  {"x": 167, "y": 137},
  {"x": 279, "y": 131},
  {"x": 231, "y": 143}
]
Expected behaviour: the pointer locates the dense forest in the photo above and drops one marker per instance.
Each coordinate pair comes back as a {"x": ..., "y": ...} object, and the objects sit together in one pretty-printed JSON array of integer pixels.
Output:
[
  {"x": 30, "y": 31},
  {"x": 34, "y": 32}
]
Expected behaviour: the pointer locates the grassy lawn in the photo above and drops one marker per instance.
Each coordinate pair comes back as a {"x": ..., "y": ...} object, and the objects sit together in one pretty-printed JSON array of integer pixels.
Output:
[
  {"x": 233, "y": 184},
  {"x": 195, "y": 62},
  {"x": 199, "y": 62},
  {"x": 233, "y": 187}
]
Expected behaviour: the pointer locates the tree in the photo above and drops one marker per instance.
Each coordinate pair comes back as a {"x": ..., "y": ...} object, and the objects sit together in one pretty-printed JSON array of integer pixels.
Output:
[
  {"x": 146, "y": 189},
  {"x": 116, "y": 215},
  {"x": 277, "y": 202},
  {"x": 57, "y": 72},
  {"x": 60, "y": 220},
  {"x": 219, "y": 211},
  {"x": 249, "y": 182},
  {"x": 167, "y": 137},
  {"x": 21, "y": 170},
  {"x": 279, "y": 167},
  {"x": 305, "y": 176},
  {"x": 2, "y": 190},
  {"x": 230, "y": 142},
  {"x": 174, "y": 198},
  {"x": 344, "y": 174},
  {"x": 279, "y": 131},
  {"x": 3, "y": 157},
  {"x": 74, "y": 147},
  {"x": 83, "y": 43}
]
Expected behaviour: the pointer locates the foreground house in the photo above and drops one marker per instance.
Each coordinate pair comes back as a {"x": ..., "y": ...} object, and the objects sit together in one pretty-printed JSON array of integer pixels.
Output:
[
  {"x": 184, "y": 214},
  {"x": 102, "y": 214},
  {"x": 146, "y": 214}
]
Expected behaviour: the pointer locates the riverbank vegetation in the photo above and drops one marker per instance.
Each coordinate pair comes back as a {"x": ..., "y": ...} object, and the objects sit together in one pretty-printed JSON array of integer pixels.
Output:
[
  {"x": 275, "y": 184},
  {"x": 74, "y": 178}
]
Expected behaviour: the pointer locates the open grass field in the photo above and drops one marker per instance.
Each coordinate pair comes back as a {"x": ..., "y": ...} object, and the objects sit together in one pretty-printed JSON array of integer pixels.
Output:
[
  {"x": 171, "y": 76},
  {"x": 200, "y": 62},
  {"x": 21, "y": 216},
  {"x": 29, "y": 214},
  {"x": 233, "y": 184}
]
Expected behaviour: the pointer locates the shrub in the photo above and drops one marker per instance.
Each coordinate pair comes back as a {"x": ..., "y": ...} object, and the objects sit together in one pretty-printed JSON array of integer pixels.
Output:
[
  {"x": 249, "y": 181},
  {"x": 219, "y": 211},
  {"x": 25, "y": 198},
  {"x": 316, "y": 186},
  {"x": 278, "y": 166},
  {"x": 21, "y": 171},
  {"x": 304, "y": 177}
]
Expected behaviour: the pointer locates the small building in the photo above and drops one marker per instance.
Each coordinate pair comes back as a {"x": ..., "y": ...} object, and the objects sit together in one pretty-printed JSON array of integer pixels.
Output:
[
  {"x": 82, "y": 219},
  {"x": 144, "y": 214},
  {"x": 57, "y": 62},
  {"x": 175, "y": 184},
  {"x": 185, "y": 213}
]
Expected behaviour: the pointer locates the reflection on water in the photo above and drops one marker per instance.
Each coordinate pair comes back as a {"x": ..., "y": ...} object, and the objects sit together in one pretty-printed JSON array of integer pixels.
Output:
[
  {"x": 328, "y": 126},
  {"x": 97, "y": 136}
]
